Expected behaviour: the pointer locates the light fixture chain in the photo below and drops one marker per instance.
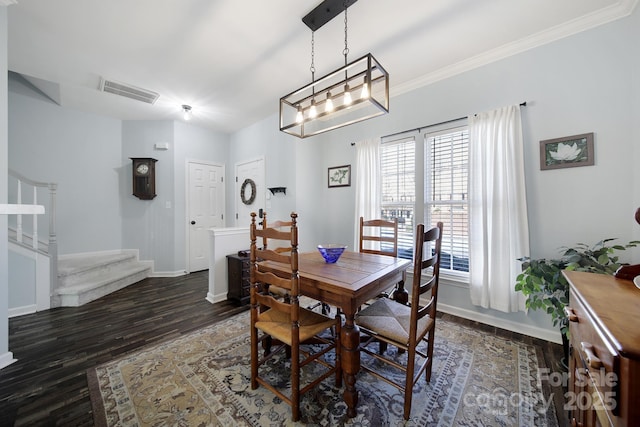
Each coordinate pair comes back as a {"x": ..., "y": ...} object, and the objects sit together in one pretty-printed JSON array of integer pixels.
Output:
[
  {"x": 345, "y": 52},
  {"x": 312, "y": 68}
]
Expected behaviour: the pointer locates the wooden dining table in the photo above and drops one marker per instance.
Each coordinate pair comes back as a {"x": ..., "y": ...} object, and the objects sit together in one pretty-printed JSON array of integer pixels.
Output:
[{"x": 350, "y": 282}]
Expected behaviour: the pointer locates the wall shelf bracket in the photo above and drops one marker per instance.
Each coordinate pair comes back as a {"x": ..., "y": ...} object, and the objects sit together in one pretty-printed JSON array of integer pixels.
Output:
[{"x": 275, "y": 190}]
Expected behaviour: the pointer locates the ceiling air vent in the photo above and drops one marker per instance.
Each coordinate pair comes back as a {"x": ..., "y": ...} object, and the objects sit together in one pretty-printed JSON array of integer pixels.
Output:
[{"x": 128, "y": 91}]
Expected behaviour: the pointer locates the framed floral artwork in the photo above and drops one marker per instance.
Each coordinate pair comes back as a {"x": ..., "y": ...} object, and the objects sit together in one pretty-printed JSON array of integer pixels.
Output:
[
  {"x": 339, "y": 176},
  {"x": 567, "y": 152}
]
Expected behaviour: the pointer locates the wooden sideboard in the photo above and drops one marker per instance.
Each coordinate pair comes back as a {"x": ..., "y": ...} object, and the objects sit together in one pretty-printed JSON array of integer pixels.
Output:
[{"x": 604, "y": 368}]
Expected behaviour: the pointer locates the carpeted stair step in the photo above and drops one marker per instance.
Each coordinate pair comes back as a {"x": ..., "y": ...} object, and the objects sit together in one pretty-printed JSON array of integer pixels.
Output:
[{"x": 85, "y": 278}]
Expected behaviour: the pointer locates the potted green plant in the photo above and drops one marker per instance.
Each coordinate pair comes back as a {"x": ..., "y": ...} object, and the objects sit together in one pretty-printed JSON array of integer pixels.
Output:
[{"x": 545, "y": 288}]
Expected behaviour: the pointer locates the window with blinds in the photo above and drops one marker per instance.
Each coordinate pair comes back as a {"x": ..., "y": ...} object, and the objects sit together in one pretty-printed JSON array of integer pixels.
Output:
[
  {"x": 398, "y": 177},
  {"x": 446, "y": 197},
  {"x": 441, "y": 196}
]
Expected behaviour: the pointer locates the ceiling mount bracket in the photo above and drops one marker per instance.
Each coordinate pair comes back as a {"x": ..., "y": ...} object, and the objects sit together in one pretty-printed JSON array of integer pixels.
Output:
[{"x": 325, "y": 12}]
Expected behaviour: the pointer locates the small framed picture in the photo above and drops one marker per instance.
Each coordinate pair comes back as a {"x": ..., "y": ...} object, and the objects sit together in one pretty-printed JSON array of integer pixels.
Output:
[
  {"x": 567, "y": 152},
  {"x": 339, "y": 176}
]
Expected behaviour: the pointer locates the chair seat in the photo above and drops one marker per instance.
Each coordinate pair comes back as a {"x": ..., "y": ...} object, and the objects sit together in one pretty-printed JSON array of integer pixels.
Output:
[
  {"x": 278, "y": 324},
  {"x": 391, "y": 320}
]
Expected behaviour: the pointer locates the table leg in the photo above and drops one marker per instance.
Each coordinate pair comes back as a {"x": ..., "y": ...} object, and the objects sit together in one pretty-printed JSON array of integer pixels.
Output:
[{"x": 350, "y": 338}]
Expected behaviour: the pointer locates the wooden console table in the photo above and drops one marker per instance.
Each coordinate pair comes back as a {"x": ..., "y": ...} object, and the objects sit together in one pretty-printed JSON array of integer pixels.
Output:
[{"x": 604, "y": 368}]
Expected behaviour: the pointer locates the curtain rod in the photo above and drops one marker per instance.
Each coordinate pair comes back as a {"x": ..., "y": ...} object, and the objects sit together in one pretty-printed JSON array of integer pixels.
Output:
[{"x": 522, "y": 104}]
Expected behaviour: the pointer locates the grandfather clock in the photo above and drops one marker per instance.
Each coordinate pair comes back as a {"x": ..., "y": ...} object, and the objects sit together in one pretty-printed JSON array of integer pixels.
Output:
[{"x": 144, "y": 177}]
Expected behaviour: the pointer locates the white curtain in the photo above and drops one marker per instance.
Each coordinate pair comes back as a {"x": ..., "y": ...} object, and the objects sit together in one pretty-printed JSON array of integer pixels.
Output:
[
  {"x": 498, "y": 224},
  {"x": 367, "y": 180}
]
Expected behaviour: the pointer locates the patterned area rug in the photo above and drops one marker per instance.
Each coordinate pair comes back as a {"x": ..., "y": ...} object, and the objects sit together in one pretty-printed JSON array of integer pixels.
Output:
[{"x": 202, "y": 379}]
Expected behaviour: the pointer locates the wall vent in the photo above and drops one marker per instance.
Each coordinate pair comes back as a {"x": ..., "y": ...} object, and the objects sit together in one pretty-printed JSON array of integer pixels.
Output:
[{"x": 128, "y": 91}]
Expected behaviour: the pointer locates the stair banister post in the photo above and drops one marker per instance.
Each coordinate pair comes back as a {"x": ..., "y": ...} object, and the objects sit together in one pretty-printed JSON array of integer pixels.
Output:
[
  {"x": 19, "y": 216},
  {"x": 53, "y": 240},
  {"x": 34, "y": 240}
]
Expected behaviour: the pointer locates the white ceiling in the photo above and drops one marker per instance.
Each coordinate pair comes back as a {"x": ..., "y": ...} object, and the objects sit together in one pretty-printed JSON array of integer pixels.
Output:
[{"x": 232, "y": 60}]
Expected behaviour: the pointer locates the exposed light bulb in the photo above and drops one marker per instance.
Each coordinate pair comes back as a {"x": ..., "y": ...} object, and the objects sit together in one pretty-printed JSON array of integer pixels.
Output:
[
  {"x": 299, "y": 116},
  {"x": 328, "y": 106},
  {"x": 347, "y": 95},
  {"x": 312, "y": 111},
  {"x": 186, "y": 112},
  {"x": 365, "y": 90}
]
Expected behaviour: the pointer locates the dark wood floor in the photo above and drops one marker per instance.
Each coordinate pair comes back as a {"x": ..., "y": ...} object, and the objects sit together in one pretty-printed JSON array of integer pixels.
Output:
[
  {"x": 54, "y": 348},
  {"x": 47, "y": 386}
]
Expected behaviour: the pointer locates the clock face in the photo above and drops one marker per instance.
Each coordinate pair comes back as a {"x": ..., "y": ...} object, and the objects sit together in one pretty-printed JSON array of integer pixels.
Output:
[{"x": 142, "y": 169}]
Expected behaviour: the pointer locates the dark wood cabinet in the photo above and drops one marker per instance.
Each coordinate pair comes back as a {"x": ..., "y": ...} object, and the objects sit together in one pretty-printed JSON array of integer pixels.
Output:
[
  {"x": 604, "y": 368},
  {"x": 239, "y": 286}
]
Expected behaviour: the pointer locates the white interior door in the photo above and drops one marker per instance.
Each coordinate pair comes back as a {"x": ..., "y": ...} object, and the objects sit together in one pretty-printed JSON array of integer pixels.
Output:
[
  {"x": 205, "y": 210},
  {"x": 246, "y": 174}
]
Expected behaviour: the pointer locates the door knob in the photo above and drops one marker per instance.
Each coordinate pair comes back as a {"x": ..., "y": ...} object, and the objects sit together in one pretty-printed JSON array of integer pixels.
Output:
[{"x": 193, "y": 222}]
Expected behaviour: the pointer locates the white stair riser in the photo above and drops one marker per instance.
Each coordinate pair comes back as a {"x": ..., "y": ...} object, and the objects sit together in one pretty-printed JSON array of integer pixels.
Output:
[
  {"x": 85, "y": 278},
  {"x": 83, "y": 297},
  {"x": 70, "y": 278}
]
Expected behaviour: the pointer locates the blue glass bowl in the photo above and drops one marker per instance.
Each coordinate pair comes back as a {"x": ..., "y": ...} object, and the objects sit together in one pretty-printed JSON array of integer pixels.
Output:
[{"x": 331, "y": 253}]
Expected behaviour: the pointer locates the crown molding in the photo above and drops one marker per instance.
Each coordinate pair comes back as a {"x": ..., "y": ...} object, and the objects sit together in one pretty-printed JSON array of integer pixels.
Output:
[{"x": 603, "y": 16}]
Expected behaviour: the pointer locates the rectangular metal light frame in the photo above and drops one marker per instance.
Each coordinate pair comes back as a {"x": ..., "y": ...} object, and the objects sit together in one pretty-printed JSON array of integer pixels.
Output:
[{"x": 355, "y": 74}]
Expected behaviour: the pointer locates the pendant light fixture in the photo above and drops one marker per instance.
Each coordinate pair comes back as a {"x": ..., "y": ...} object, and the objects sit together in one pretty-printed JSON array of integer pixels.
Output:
[
  {"x": 356, "y": 92},
  {"x": 186, "y": 112}
]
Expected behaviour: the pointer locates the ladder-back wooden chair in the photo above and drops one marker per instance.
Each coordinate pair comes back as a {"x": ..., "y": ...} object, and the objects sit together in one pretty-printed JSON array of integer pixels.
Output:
[
  {"x": 279, "y": 224},
  {"x": 380, "y": 236},
  {"x": 283, "y": 320},
  {"x": 407, "y": 327},
  {"x": 382, "y": 231}
]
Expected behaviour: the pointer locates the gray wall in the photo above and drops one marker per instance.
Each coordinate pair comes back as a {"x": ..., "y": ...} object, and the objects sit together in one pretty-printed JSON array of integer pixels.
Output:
[
  {"x": 263, "y": 139},
  {"x": 148, "y": 225},
  {"x": 157, "y": 227},
  {"x": 588, "y": 82},
  {"x": 82, "y": 153},
  {"x": 22, "y": 277},
  {"x": 584, "y": 83},
  {"x": 88, "y": 156},
  {"x": 5, "y": 355},
  {"x": 633, "y": 33}
]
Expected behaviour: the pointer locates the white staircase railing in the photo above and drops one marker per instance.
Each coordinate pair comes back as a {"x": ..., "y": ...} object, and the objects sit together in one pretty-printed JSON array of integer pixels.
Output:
[{"x": 23, "y": 190}]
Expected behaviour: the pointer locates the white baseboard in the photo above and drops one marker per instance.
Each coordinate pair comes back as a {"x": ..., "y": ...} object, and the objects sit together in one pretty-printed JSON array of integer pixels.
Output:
[
  {"x": 220, "y": 297},
  {"x": 20, "y": 311},
  {"x": 532, "y": 331},
  {"x": 211, "y": 298},
  {"x": 215, "y": 298},
  {"x": 6, "y": 359},
  {"x": 177, "y": 273}
]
